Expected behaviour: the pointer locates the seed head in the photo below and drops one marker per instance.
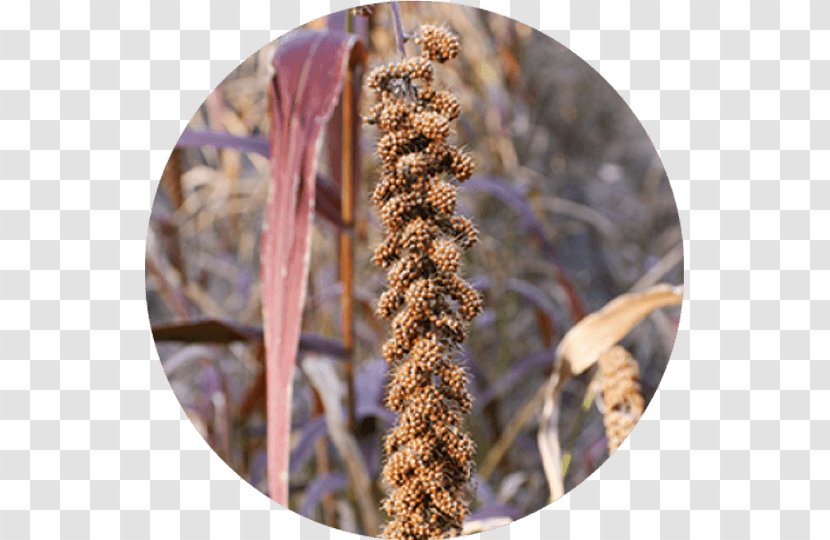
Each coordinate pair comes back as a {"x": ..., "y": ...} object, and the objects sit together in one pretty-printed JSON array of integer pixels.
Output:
[
  {"x": 444, "y": 254},
  {"x": 463, "y": 230},
  {"x": 442, "y": 197},
  {"x": 461, "y": 164},
  {"x": 620, "y": 379},
  {"x": 446, "y": 104},
  {"x": 431, "y": 125},
  {"x": 428, "y": 455},
  {"x": 437, "y": 43}
]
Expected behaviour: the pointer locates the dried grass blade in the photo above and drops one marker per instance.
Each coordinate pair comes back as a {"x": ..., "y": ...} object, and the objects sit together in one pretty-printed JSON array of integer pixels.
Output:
[{"x": 548, "y": 436}]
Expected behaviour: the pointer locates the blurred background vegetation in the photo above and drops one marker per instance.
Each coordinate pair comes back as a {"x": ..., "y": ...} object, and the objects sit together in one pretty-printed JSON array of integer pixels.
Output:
[{"x": 573, "y": 207}]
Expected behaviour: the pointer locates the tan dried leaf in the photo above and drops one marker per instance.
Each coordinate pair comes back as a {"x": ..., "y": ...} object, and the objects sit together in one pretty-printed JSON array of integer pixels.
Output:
[{"x": 599, "y": 331}]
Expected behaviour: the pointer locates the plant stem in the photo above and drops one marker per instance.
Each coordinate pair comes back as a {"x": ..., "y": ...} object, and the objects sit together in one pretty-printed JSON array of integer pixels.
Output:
[
  {"x": 400, "y": 39},
  {"x": 321, "y": 452},
  {"x": 346, "y": 245},
  {"x": 349, "y": 21}
]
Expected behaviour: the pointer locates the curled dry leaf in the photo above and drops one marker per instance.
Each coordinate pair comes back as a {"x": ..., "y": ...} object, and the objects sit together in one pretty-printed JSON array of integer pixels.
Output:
[{"x": 599, "y": 331}]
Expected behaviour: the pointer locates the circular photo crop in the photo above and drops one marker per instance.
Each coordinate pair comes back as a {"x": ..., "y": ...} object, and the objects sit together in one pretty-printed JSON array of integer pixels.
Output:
[{"x": 414, "y": 270}]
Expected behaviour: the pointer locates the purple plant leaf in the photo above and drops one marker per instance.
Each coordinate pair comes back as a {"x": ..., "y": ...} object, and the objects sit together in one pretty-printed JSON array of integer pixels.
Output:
[
  {"x": 221, "y": 331},
  {"x": 532, "y": 294},
  {"x": 509, "y": 194},
  {"x": 517, "y": 199},
  {"x": 518, "y": 371},
  {"x": 309, "y": 68},
  {"x": 322, "y": 345},
  {"x": 257, "y": 144},
  {"x": 318, "y": 488},
  {"x": 206, "y": 331},
  {"x": 327, "y": 202},
  {"x": 495, "y": 509},
  {"x": 256, "y": 472},
  {"x": 538, "y": 298},
  {"x": 370, "y": 378},
  {"x": 310, "y": 433},
  {"x": 483, "y": 491}
]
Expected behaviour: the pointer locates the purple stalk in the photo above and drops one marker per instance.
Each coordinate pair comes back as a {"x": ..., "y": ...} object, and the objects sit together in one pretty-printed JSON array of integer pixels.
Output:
[{"x": 399, "y": 35}]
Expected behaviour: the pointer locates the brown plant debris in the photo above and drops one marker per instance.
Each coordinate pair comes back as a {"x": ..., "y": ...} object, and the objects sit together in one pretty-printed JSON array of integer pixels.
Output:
[
  {"x": 363, "y": 11},
  {"x": 621, "y": 396},
  {"x": 428, "y": 454}
]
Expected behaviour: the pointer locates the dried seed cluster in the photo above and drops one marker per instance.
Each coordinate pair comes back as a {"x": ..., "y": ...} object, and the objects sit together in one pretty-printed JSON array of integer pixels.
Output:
[
  {"x": 437, "y": 43},
  {"x": 620, "y": 379},
  {"x": 429, "y": 456}
]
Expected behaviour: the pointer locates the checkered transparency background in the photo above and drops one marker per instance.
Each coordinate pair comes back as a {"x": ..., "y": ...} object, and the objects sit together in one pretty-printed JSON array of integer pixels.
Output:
[{"x": 736, "y": 97}]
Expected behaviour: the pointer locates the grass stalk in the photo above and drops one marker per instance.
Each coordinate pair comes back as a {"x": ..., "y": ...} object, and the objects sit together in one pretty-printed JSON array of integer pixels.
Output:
[
  {"x": 346, "y": 234},
  {"x": 400, "y": 38},
  {"x": 321, "y": 456}
]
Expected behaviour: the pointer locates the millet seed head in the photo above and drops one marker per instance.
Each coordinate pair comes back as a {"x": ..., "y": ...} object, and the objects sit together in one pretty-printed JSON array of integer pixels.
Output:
[
  {"x": 621, "y": 395},
  {"x": 438, "y": 44},
  {"x": 428, "y": 454}
]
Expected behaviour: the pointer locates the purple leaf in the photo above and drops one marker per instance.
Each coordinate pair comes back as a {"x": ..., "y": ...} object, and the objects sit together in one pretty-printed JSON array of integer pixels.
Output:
[
  {"x": 318, "y": 488},
  {"x": 322, "y": 345},
  {"x": 256, "y": 144},
  {"x": 518, "y": 370},
  {"x": 311, "y": 431},
  {"x": 221, "y": 332},
  {"x": 509, "y": 194},
  {"x": 538, "y": 297},
  {"x": 516, "y": 199},
  {"x": 327, "y": 202},
  {"x": 309, "y": 68},
  {"x": 495, "y": 509},
  {"x": 206, "y": 331}
]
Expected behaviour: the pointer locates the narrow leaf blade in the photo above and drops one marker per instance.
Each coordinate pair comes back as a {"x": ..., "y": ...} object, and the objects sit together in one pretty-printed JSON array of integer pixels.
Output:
[{"x": 308, "y": 73}]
